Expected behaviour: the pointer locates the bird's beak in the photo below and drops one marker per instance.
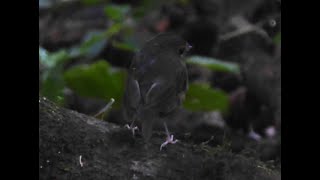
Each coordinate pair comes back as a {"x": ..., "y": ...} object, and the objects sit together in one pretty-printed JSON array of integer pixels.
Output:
[{"x": 188, "y": 47}]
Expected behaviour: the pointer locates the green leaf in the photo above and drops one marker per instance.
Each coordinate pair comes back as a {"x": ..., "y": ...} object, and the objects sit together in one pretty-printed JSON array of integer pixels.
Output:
[
  {"x": 214, "y": 64},
  {"x": 91, "y": 2},
  {"x": 98, "y": 80},
  {"x": 93, "y": 44},
  {"x": 51, "y": 80},
  {"x": 200, "y": 97},
  {"x": 50, "y": 60},
  {"x": 277, "y": 38},
  {"x": 141, "y": 10},
  {"x": 117, "y": 12},
  {"x": 126, "y": 46},
  {"x": 43, "y": 54},
  {"x": 114, "y": 29},
  {"x": 52, "y": 87}
]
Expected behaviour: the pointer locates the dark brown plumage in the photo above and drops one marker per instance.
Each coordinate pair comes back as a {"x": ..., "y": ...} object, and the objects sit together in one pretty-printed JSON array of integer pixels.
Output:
[{"x": 157, "y": 81}]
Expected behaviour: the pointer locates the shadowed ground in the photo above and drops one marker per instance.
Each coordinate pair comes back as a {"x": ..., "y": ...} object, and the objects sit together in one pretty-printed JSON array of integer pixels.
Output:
[{"x": 110, "y": 152}]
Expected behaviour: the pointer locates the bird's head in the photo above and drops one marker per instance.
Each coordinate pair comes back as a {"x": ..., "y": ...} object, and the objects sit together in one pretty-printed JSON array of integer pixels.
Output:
[{"x": 169, "y": 42}]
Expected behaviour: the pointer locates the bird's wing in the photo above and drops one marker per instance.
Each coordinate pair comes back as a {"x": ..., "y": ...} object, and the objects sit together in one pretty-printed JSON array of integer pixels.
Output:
[
  {"x": 132, "y": 97},
  {"x": 180, "y": 87},
  {"x": 154, "y": 84},
  {"x": 182, "y": 81},
  {"x": 168, "y": 94}
]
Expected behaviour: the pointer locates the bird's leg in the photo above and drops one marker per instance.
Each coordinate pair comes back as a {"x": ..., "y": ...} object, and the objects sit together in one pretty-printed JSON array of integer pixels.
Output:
[
  {"x": 169, "y": 139},
  {"x": 253, "y": 135},
  {"x": 132, "y": 127}
]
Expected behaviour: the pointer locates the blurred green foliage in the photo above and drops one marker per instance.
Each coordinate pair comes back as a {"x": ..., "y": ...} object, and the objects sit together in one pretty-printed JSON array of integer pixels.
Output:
[
  {"x": 51, "y": 80},
  {"x": 214, "y": 64},
  {"x": 101, "y": 80},
  {"x": 98, "y": 80},
  {"x": 277, "y": 38},
  {"x": 92, "y": 2},
  {"x": 52, "y": 60},
  {"x": 94, "y": 42},
  {"x": 201, "y": 97},
  {"x": 126, "y": 46},
  {"x": 117, "y": 13}
]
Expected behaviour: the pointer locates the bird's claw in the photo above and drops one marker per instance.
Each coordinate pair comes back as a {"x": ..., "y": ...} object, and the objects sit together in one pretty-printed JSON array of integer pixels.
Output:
[
  {"x": 168, "y": 141},
  {"x": 255, "y": 136},
  {"x": 133, "y": 129}
]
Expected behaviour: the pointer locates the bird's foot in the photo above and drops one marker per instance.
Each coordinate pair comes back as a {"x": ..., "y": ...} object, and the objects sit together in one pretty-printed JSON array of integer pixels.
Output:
[
  {"x": 255, "y": 136},
  {"x": 168, "y": 141},
  {"x": 133, "y": 129}
]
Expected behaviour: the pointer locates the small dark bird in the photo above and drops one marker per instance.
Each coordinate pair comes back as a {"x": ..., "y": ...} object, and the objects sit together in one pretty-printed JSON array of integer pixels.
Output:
[{"x": 156, "y": 84}]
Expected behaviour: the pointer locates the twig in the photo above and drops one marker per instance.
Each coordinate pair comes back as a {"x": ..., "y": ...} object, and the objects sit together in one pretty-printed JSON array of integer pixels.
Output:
[
  {"x": 242, "y": 31},
  {"x": 108, "y": 106},
  {"x": 243, "y": 27},
  {"x": 207, "y": 142},
  {"x": 81, "y": 163}
]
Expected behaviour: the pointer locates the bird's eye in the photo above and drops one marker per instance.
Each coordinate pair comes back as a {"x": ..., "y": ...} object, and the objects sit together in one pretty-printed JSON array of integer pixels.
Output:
[{"x": 181, "y": 50}]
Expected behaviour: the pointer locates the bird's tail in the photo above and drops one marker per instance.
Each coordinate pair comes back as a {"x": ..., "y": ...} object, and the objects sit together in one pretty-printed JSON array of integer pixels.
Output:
[
  {"x": 147, "y": 119},
  {"x": 147, "y": 130}
]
